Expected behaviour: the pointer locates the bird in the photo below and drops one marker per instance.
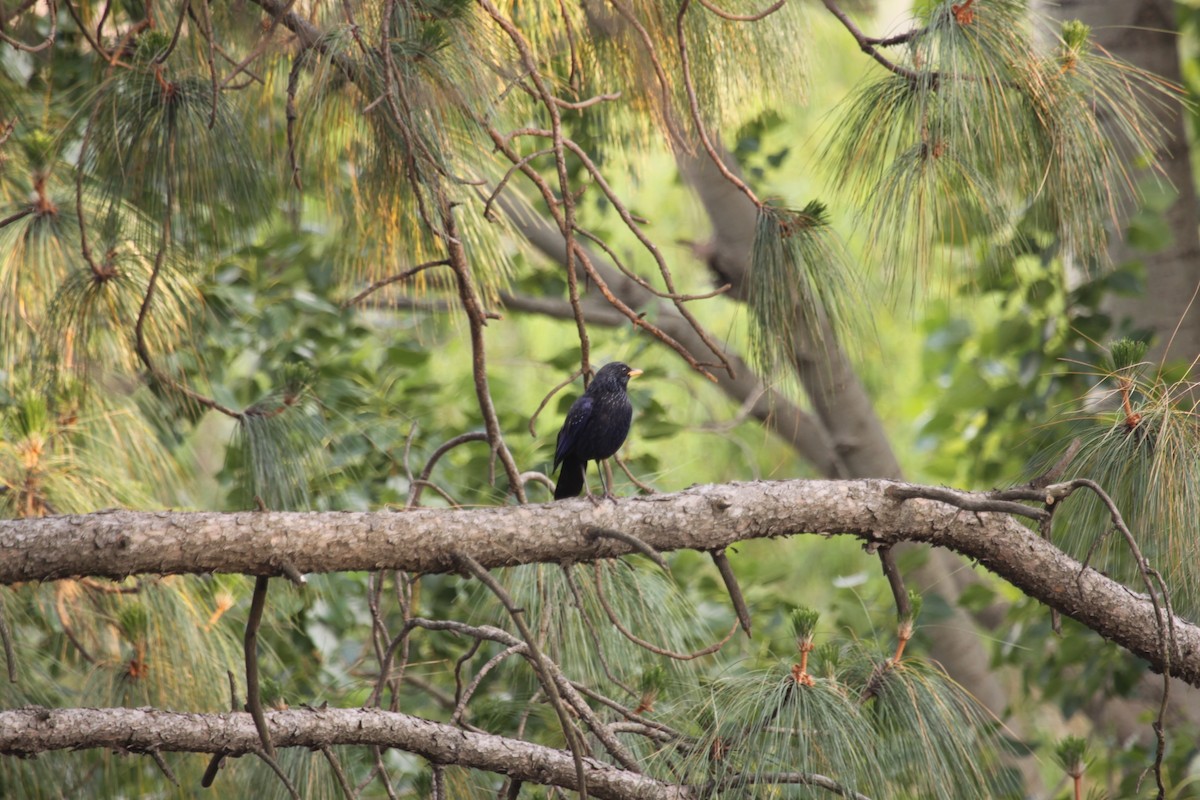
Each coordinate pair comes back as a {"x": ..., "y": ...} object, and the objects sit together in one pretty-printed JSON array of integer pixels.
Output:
[{"x": 595, "y": 428}]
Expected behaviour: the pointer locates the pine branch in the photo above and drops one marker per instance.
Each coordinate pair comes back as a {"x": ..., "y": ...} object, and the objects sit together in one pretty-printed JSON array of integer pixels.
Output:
[
  {"x": 30, "y": 731},
  {"x": 119, "y": 543}
]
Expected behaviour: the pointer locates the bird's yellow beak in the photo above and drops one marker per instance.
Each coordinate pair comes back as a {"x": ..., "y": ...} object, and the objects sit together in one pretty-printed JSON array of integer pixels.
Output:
[{"x": 633, "y": 373}]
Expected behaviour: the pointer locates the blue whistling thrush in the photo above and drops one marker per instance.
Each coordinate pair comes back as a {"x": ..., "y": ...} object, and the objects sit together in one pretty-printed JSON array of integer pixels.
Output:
[{"x": 595, "y": 428}]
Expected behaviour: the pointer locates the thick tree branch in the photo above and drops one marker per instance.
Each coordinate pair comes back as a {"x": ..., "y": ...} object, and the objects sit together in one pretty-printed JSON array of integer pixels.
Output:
[
  {"x": 141, "y": 730},
  {"x": 119, "y": 543}
]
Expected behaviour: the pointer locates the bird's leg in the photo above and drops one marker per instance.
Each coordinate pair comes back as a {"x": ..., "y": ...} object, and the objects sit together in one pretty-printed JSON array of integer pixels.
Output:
[
  {"x": 605, "y": 470},
  {"x": 587, "y": 490}
]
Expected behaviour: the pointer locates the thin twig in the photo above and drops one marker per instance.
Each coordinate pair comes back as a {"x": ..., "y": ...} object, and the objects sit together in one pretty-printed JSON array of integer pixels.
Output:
[
  {"x": 68, "y": 629},
  {"x": 867, "y": 45},
  {"x": 612, "y": 617},
  {"x": 731, "y": 586},
  {"x": 566, "y": 220},
  {"x": 591, "y": 101},
  {"x": 668, "y": 280},
  {"x": 423, "y": 480},
  {"x": 476, "y": 319},
  {"x": 723, "y": 14},
  {"x": 385, "y": 668},
  {"x": 214, "y": 763},
  {"x": 460, "y": 708},
  {"x": 47, "y": 42},
  {"x": 642, "y": 486},
  {"x": 629, "y": 713},
  {"x": 1059, "y": 467},
  {"x": 575, "y": 74},
  {"x": 420, "y": 484},
  {"x": 270, "y": 761},
  {"x": 10, "y": 656},
  {"x": 597, "y": 645},
  {"x": 10, "y": 219},
  {"x": 439, "y": 781},
  {"x": 642, "y": 282},
  {"x": 379, "y": 631},
  {"x": 162, "y": 57},
  {"x": 291, "y": 573},
  {"x": 461, "y": 662},
  {"x": 593, "y": 532},
  {"x": 250, "y": 646},
  {"x": 1160, "y": 598},
  {"x": 381, "y": 771},
  {"x": 971, "y": 502},
  {"x": 388, "y": 281},
  {"x": 290, "y": 116},
  {"x": 694, "y": 106},
  {"x": 163, "y": 765},
  {"x": 277, "y": 15},
  {"x": 215, "y": 46},
  {"x": 597, "y": 280},
  {"x": 801, "y": 778},
  {"x": 141, "y": 347},
  {"x": 8, "y": 16},
  {"x": 547, "y": 398},
  {"x": 538, "y": 477},
  {"x": 540, "y": 668},
  {"x": 210, "y": 772},
  {"x": 887, "y": 559},
  {"x": 488, "y": 214},
  {"x": 338, "y": 773},
  {"x": 205, "y": 26}
]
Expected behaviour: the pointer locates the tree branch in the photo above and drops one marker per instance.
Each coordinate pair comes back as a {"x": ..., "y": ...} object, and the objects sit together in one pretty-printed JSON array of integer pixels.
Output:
[
  {"x": 119, "y": 543},
  {"x": 30, "y": 731}
]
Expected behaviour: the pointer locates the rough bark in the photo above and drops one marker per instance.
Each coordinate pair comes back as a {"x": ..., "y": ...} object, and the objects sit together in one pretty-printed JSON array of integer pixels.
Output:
[
  {"x": 120, "y": 543},
  {"x": 30, "y": 731}
]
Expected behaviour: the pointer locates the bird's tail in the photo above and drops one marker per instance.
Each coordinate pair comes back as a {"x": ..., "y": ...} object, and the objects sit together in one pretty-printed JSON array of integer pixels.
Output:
[{"x": 570, "y": 478}]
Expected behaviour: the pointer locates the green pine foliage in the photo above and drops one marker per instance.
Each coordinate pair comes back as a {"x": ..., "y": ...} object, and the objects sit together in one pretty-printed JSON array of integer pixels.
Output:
[
  {"x": 978, "y": 125},
  {"x": 800, "y": 282}
]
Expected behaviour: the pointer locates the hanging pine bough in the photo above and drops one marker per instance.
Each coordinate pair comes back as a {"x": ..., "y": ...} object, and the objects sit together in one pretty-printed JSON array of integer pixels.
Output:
[
  {"x": 407, "y": 122},
  {"x": 800, "y": 284},
  {"x": 85, "y": 318},
  {"x": 280, "y": 446},
  {"x": 1141, "y": 440},
  {"x": 151, "y": 125},
  {"x": 979, "y": 125}
]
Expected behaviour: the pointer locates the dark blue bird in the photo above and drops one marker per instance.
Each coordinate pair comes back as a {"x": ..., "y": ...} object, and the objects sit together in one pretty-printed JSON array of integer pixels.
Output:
[{"x": 595, "y": 428}]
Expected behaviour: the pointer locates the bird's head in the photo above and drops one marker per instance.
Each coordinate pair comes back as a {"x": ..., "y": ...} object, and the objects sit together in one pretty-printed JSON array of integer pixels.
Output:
[{"x": 616, "y": 373}]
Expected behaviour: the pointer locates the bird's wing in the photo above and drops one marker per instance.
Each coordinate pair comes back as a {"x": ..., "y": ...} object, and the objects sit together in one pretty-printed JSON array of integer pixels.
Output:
[{"x": 577, "y": 417}]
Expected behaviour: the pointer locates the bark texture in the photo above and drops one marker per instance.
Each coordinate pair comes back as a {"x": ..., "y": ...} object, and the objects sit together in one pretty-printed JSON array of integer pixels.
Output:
[
  {"x": 29, "y": 731},
  {"x": 120, "y": 543}
]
